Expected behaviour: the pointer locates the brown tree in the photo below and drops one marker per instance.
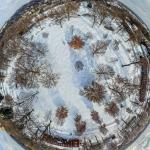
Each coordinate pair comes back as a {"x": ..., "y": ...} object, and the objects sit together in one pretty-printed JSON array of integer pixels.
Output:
[
  {"x": 49, "y": 79},
  {"x": 25, "y": 75},
  {"x": 103, "y": 11},
  {"x": 76, "y": 42},
  {"x": 59, "y": 15},
  {"x": 94, "y": 92},
  {"x": 104, "y": 72},
  {"x": 23, "y": 108},
  {"x": 70, "y": 8},
  {"x": 95, "y": 116},
  {"x": 118, "y": 92},
  {"x": 2, "y": 77},
  {"x": 122, "y": 88},
  {"x": 112, "y": 109},
  {"x": 61, "y": 114},
  {"x": 28, "y": 71},
  {"x": 8, "y": 99},
  {"x": 5, "y": 60},
  {"x": 99, "y": 48},
  {"x": 80, "y": 125}
]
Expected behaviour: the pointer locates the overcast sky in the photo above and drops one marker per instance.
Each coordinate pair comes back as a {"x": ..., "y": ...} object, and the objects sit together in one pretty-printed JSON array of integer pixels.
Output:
[{"x": 141, "y": 8}]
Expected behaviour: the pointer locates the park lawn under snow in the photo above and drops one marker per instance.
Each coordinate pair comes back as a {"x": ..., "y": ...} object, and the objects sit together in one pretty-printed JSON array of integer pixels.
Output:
[
  {"x": 13, "y": 5},
  {"x": 62, "y": 59}
]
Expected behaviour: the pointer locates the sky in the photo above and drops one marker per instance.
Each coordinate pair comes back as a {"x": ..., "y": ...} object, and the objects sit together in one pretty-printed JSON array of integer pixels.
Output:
[
  {"x": 7, "y": 143},
  {"x": 140, "y": 7}
]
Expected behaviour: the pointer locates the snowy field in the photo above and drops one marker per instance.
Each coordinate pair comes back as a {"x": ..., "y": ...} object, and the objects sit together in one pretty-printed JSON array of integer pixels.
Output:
[
  {"x": 138, "y": 8},
  {"x": 94, "y": 60}
]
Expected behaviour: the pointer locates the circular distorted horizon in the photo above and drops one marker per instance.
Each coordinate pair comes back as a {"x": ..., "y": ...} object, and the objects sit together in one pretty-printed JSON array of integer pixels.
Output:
[{"x": 75, "y": 74}]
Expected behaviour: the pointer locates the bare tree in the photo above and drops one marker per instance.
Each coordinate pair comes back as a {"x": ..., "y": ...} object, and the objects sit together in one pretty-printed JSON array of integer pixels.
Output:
[
  {"x": 28, "y": 71},
  {"x": 25, "y": 75},
  {"x": 135, "y": 35},
  {"x": 26, "y": 99},
  {"x": 122, "y": 88},
  {"x": 49, "y": 79},
  {"x": 95, "y": 117},
  {"x": 104, "y": 72},
  {"x": 5, "y": 59},
  {"x": 59, "y": 15},
  {"x": 95, "y": 14},
  {"x": 70, "y": 8},
  {"x": 129, "y": 110},
  {"x": 118, "y": 92},
  {"x": 13, "y": 47},
  {"x": 8, "y": 99},
  {"x": 80, "y": 125},
  {"x": 135, "y": 62},
  {"x": 46, "y": 129},
  {"x": 61, "y": 114},
  {"x": 94, "y": 92},
  {"x": 99, "y": 48},
  {"x": 23, "y": 115},
  {"x": 104, "y": 11},
  {"x": 112, "y": 109},
  {"x": 35, "y": 128},
  {"x": 2, "y": 77}
]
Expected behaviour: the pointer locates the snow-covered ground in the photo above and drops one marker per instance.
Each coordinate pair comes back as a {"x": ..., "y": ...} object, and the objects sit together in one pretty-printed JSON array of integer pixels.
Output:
[
  {"x": 8, "y": 7},
  {"x": 63, "y": 58}
]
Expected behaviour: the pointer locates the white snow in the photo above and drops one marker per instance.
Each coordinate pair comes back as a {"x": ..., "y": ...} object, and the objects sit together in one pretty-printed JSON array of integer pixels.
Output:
[
  {"x": 140, "y": 7},
  {"x": 8, "y": 7},
  {"x": 7, "y": 142},
  {"x": 63, "y": 58}
]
